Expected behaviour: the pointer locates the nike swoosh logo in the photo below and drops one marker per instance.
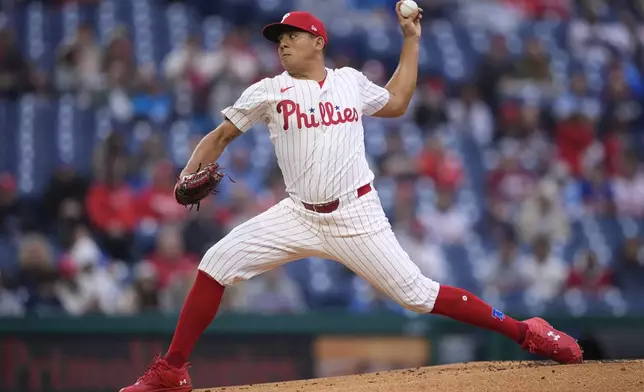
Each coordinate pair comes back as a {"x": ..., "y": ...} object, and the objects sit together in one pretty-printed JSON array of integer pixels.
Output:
[{"x": 283, "y": 90}]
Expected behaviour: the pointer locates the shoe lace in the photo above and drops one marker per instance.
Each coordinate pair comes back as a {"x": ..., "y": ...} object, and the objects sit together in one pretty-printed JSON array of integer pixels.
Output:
[{"x": 154, "y": 369}]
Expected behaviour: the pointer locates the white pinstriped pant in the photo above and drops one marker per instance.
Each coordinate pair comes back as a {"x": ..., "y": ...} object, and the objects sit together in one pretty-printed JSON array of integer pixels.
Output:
[{"x": 357, "y": 234}]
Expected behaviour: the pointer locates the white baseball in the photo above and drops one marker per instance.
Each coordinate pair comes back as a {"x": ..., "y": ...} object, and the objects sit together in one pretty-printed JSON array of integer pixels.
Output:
[{"x": 407, "y": 8}]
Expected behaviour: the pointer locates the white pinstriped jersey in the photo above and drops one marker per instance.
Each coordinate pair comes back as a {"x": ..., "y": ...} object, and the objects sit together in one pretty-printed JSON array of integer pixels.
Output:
[{"x": 316, "y": 130}]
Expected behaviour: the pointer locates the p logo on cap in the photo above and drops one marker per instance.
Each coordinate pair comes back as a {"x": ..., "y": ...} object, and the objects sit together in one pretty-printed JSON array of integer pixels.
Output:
[{"x": 300, "y": 20}]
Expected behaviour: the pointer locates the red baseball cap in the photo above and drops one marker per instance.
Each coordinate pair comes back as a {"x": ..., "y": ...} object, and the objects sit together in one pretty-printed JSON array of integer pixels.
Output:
[{"x": 298, "y": 19}]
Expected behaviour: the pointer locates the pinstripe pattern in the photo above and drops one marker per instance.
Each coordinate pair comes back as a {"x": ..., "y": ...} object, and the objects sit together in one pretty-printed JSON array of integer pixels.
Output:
[
  {"x": 319, "y": 163},
  {"x": 360, "y": 237},
  {"x": 266, "y": 241},
  {"x": 357, "y": 235}
]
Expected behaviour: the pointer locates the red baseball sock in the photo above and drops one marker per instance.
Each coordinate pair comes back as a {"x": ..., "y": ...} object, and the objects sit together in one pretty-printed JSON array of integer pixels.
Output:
[
  {"x": 198, "y": 312},
  {"x": 464, "y": 306}
]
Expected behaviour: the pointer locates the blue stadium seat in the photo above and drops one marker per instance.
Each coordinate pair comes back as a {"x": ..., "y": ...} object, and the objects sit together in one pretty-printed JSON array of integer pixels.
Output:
[
  {"x": 8, "y": 254},
  {"x": 461, "y": 267},
  {"x": 9, "y": 116}
]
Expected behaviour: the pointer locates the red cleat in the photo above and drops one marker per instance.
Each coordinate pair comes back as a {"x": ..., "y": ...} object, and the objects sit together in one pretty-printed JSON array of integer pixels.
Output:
[
  {"x": 542, "y": 339},
  {"x": 161, "y": 377}
]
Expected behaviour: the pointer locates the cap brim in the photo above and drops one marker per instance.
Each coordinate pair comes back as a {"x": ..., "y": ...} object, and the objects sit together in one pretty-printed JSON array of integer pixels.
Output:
[{"x": 272, "y": 31}]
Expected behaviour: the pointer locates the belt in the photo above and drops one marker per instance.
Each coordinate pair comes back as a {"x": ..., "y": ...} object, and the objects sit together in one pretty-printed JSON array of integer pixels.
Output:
[{"x": 331, "y": 206}]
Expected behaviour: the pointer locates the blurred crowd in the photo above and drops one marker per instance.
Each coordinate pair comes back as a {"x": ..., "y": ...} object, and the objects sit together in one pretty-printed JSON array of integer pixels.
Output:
[{"x": 535, "y": 158}]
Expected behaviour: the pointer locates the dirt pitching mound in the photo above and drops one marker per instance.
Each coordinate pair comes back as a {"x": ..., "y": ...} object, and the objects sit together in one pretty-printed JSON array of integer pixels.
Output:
[{"x": 600, "y": 376}]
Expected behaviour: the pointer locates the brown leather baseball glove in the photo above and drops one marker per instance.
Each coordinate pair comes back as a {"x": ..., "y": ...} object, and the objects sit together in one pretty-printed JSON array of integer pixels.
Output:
[{"x": 191, "y": 189}]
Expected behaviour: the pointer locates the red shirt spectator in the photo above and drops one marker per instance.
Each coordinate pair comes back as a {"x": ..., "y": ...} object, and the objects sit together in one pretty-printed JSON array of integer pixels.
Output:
[
  {"x": 573, "y": 137},
  {"x": 510, "y": 182},
  {"x": 614, "y": 146},
  {"x": 540, "y": 8},
  {"x": 111, "y": 206},
  {"x": 157, "y": 202},
  {"x": 170, "y": 258},
  {"x": 589, "y": 282},
  {"x": 443, "y": 167},
  {"x": 588, "y": 275}
]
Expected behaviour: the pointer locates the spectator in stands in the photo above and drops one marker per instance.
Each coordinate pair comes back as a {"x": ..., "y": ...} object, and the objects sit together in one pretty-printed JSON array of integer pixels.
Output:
[
  {"x": 143, "y": 295},
  {"x": 157, "y": 204},
  {"x": 240, "y": 168},
  {"x": 588, "y": 275},
  {"x": 589, "y": 38},
  {"x": 440, "y": 164},
  {"x": 191, "y": 66},
  {"x": 620, "y": 67},
  {"x": 202, "y": 229},
  {"x": 534, "y": 142},
  {"x": 175, "y": 293},
  {"x": 621, "y": 100},
  {"x": 111, "y": 149},
  {"x": 629, "y": 187},
  {"x": 15, "y": 72},
  {"x": 492, "y": 71},
  {"x": 150, "y": 98},
  {"x": 629, "y": 268},
  {"x": 10, "y": 211},
  {"x": 430, "y": 114},
  {"x": 539, "y": 9},
  {"x": 37, "y": 275},
  {"x": 504, "y": 273},
  {"x": 89, "y": 284},
  {"x": 63, "y": 202},
  {"x": 544, "y": 272},
  {"x": 241, "y": 59},
  {"x": 543, "y": 214},
  {"x": 274, "y": 192},
  {"x": 119, "y": 68},
  {"x": 113, "y": 212},
  {"x": 508, "y": 186},
  {"x": 170, "y": 258},
  {"x": 574, "y": 135},
  {"x": 241, "y": 67},
  {"x": 615, "y": 141},
  {"x": 270, "y": 293},
  {"x": 10, "y": 304},
  {"x": 471, "y": 116},
  {"x": 447, "y": 222},
  {"x": 191, "y": 63},
  {"x": 241, "y": 206},
  {"x": 597, "y": 191},
  {"x": 119, "y": 55},
  {"x": 533, "y": 69},
  {"x": 578, "y": 99},
  {"x": 522, "y": 130},
  {"x": 396, "y": 161},
  {"x": 404, "y": 204},
  {"x": 150, "y": 154},
  {"x": 79, "y": 63},
  {"x": 425, "y": 252}
]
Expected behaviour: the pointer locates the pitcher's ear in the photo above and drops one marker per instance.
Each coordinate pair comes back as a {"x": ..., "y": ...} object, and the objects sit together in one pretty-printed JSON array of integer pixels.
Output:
[{"x": 319, "y": 42}]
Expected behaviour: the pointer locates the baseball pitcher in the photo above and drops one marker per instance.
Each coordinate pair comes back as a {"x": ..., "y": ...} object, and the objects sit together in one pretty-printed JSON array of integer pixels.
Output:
[{"x": 314, "y": 116}]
